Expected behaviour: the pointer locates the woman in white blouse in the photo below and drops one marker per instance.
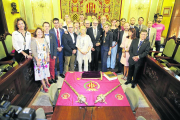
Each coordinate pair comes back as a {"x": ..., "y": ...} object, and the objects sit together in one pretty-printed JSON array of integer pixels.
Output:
[
  {"x": 21, "y": 40},
  {"x": 84, "y": 46}
]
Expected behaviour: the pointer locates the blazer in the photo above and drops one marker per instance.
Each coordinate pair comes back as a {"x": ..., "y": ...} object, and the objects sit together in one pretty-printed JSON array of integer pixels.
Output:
[
  {"x": 143, "y": 51},
  {"x": 137, "y": 31},
  {"x": 143, "y": 27},
  {"x": 61, "y": 33},
  {"x": 69, "y": 46},
  {"x": 108, "y": 39},
  {"x": 152, "y": 36},
  {"x": 119, "y": 41},
  {"x": 53, "y": 45},
  {"x": 95, "y": 40}
]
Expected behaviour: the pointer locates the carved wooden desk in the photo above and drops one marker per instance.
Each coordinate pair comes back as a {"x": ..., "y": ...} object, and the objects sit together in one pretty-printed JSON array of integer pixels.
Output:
[
  {"x": 92, "y": 113},
  {"x": 161, "y": 88},
  {"x": 18, "y": 84}
]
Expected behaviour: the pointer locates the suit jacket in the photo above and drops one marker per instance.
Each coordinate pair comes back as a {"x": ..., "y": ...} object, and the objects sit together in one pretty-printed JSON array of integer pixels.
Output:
[
  {"x": 143, "y": 27},
  {"x": 61, "y": 33},
  {"x": 108, "y": 39},
  {"x": 152, "y": 37},
  {"x": 119, "y": 41},
  {"x": 53, "y": 45},
  {"x": 69, "y": 46},
  {"x": 137, "y": 31},
  {"x": 143, "y": 51},
  {"x": 93, "y": 39}
]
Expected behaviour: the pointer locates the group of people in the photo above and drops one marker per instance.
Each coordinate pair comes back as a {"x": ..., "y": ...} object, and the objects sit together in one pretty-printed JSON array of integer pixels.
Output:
[{"x": 71, "y": 42}]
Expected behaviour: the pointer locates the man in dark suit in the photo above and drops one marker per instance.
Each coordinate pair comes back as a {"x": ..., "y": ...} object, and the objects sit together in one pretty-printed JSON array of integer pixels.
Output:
[
  {"x": 69, "y": 42},
  {"x": 138, "y": 50},
  {"x": 103, "y": 21},
  {"x": 132, "y": 25},
  {"x": 95, "y": 34},
  {"x": 58, "y": 32},
  {"x": 51, "y": 41},
  {"x": 122, "y": 34}
]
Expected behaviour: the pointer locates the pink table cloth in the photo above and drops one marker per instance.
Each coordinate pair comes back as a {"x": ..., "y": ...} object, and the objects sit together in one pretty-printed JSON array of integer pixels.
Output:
[{"x": 90, "y": 88}]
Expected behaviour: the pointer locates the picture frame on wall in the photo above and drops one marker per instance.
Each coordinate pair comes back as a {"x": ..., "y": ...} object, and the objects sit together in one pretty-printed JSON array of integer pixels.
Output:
[{"x": 167, "y": 11}]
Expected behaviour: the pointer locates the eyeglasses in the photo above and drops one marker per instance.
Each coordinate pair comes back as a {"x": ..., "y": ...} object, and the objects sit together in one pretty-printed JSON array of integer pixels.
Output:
[
  {"x": 70, "y": 27},
  {"x": 87, "y": 23},
  {"x": 95, "y": 23}
]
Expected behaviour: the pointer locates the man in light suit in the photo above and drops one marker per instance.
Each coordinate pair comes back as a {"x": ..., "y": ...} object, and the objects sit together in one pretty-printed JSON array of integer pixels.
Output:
[
  {"x": 69, "y": 42},
  {"x": 151, "y": 35},
  {"x": 140, "y": 25},
  {"x": 95, "y": 34},
  {"x": 58, "y": 32},
  {"x": 138, "y": 50}
]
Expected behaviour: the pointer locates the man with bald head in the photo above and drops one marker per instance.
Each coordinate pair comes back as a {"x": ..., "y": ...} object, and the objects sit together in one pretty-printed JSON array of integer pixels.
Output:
[
  {"x": 151, "y": 35},
  {"x": 95, "y": 34},
  {"x": 123, "y": 34},
  {"x": 132, "y": 25},
  {"x": 69, "y": 42}
]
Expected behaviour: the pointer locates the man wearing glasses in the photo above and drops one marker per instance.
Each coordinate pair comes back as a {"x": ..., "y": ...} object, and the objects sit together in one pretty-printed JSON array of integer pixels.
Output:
[
  {"x": 87, "y": 24},
  {"x": 95, "y": 34},
  {"x": 69, "y": 42},
  {"x": 58, "y": 32}
]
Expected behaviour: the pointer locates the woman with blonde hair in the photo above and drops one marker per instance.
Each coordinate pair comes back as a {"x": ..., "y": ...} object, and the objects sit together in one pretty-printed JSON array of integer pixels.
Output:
[
  {"x": 84, "y": 46},
  {"x": 106, "y": 46}
]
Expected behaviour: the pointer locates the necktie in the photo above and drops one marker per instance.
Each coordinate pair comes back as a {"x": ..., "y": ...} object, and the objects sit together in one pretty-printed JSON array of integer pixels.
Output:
[
  {"x": 95, "y": 33},
  {"x": 58, "y": 39},
  {"x": 148, "y": 34},
  {"x": 139, "y": 46},
  {"x": 139, "y": 27}
]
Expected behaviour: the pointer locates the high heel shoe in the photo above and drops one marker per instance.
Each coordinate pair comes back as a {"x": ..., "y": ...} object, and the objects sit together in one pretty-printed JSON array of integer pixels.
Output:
[
  {"x": 123, "y": 77},
  {"x": 45, "y": 90},
  {"x": 48, "y": 85}
]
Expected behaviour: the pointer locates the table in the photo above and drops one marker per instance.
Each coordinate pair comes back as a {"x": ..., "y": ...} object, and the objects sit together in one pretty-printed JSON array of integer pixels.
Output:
[
  {"x": 92, "y": 113},
  {"x": 65, "y": 110}
]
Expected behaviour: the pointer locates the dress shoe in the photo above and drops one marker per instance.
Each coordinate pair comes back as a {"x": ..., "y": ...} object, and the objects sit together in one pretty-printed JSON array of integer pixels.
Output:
[
  {"x": 127, "y": 82},
  {"x": 51, "y": 82},
  {"x": 133, "y": 86},
  {"x": 56, "y": 77},
  {"x": 54, "y": 81},
  {"x": 62, "y": 75}
]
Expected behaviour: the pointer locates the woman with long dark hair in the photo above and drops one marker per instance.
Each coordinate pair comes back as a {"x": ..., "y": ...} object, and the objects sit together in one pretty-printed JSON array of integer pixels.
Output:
[{"x": 21, "y": 40}]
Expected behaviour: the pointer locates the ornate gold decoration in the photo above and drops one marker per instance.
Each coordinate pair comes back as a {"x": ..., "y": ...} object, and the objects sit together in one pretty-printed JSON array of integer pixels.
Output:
[
  {"x": 81, "y": 98},
  {"x": 42, "y": 11},
  {"x": 91, "y": 86},
  {"x": 101, "y": 98}
]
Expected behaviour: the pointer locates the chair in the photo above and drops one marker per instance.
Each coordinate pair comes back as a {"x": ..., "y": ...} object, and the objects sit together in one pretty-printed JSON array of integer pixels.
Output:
[
  {"x": 132, "y": 98},
  {"x": 4, "y": 61},
  {"x": 53, "y": 94},
  {"x": 168, "y": 51},
  {"x": 175, "y": 66},
  {"x": 140, "y": 118},
  {"x": 40, "y": 115}
]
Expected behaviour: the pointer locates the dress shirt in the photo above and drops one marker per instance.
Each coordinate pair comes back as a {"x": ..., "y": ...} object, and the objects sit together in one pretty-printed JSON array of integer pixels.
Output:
[
  {"x": 59, "y": 34},
  {"x": 95, "y": 32},
  {"x": 72, "y": 36},
  {"x": 131, "y": 26},
  {"x": 139, "y": 43},
  {"x": 47, "y": 39}
]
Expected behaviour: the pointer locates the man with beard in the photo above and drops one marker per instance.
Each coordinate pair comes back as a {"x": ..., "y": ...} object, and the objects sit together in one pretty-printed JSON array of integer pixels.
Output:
[
  {"x": 132, "y": 22},
  {"x": 159, "y": 27}
]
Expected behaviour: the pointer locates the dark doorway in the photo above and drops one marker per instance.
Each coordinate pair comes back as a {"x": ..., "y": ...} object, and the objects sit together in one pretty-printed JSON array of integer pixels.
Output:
[{"x": 3, "y": 24}]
